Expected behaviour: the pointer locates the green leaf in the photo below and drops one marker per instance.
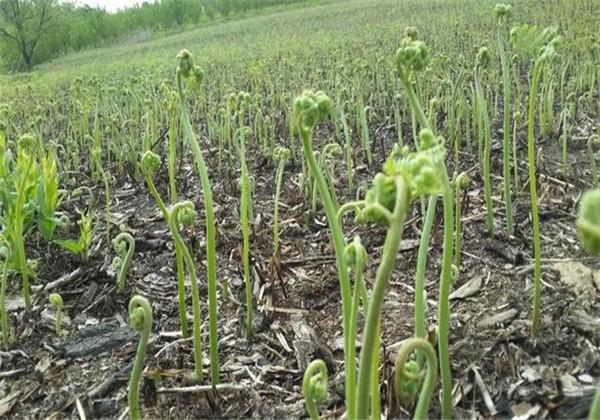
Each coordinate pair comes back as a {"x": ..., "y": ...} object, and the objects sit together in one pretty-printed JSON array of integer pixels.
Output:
[{"x": 74, "y": 247}]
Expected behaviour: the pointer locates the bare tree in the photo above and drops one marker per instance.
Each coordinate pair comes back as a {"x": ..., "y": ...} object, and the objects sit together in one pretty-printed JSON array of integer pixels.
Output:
[{"x": 23, "y": 23}]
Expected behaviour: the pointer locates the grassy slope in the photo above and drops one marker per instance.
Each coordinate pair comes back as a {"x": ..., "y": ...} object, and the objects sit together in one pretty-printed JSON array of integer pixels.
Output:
[
  {"x": 226, "y": 49},
  {"x": 338, "y": 24}
]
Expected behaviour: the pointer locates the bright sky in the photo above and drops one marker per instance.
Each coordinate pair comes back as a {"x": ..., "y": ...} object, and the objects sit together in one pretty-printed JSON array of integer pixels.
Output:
[{"x": 109, "y": 5}]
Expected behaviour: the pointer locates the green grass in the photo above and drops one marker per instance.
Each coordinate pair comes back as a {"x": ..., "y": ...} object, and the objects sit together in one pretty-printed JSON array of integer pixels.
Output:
[{"x": 321, "y": 33}]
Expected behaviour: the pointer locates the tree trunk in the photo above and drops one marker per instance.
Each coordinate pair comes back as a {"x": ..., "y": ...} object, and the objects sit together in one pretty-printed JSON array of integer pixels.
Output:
[{"x": 27, "y": 60}]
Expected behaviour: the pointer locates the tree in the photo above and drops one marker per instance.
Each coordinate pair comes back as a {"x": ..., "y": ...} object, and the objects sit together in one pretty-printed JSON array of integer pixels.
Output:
[
  {"x": 175, "y": 12},
  {"x": 23, "y": 23}
]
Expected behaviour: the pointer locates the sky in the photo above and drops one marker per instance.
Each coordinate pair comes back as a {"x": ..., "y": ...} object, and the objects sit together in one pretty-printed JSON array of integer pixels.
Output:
[{"x": 109, "y": 5}]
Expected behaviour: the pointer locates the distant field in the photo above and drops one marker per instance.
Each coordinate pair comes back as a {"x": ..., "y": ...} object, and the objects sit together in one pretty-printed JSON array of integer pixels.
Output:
[{"x": 323, "y": 32}]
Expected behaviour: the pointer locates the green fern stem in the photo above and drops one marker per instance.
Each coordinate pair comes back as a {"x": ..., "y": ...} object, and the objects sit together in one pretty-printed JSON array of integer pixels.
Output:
[
  {"x": 420, "y": 301},
  {"x": 535, "y": 222},
  {"x": 140, "y": 313},
  {"x": 390, "y": 251},
  {"x": 183, "y": 324},
  {"x": 506, "y": 132},
  {"x": 210, "y": 230},
  {"x": 244, "y": 213},
  {"x": 338, "y": 244},
  {"x": 189, "y": 262}
]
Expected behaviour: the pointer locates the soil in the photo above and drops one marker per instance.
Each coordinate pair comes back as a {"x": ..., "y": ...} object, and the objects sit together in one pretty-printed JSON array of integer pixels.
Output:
[{"x": 497, "y": 368}]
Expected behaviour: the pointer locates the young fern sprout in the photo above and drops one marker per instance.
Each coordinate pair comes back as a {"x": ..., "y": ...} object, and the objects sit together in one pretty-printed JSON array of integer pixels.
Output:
[
  {"x": 407, "y": 375},
  {"x": 185, "y": 213},
  {"x": 403, "y": 179},
  {"x": 502, "y": 13},
  {"x": 355, "y": 255},
  {"x": 413, "y": 56},
  {"x": 150, "y": 164},
  {"x": 311, "y": 108},
  {"x": 140, "y": 316},
  {"x": 314, "y": 387},
  {"x": 431, "y": 174},
  {"x": 281, "y": 155},
  {"x": 245, "y": 215},
  {"x": 460, "y": 183},
  {"x": 541, "y": 46},
  {"x": 194, "y": 74},
  {"x": 57, "y": 300},
  {"x": 483, "y": 59},
  {"x": 124, "y": 246},
  {"x": 566, "y": 117}
]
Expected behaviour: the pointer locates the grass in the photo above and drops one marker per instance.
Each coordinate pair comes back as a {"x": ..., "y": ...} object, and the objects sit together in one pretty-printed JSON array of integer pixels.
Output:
[{"x": 321, "y": 31}]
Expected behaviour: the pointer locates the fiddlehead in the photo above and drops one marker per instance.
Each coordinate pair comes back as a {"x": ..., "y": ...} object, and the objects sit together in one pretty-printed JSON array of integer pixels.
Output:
[
  {"x": 412, "y": 54},
  {"x": 460, "y": 183},
  {"x": 412, "y": 57},
  {"x": 124, "y": 246},
  {"x": 588, "y": 221},
  {"x": 403, "y": 178},
  {"x": 314, "y": 387},
  {"x": 309, "y": 109},
  {"x": 502, "y": 11},
  {"x": 185, "y": 213},
  {"x": 140, "y": 316},
  {"x": 57, "y": 300},
  {"x": 194, "y": 74},
  {"x": 280, "y": 155},
  {"x": 432, "y": 180},
  {"x": 150, "y": 165},
  {"x": 356, "y": 256},
  {"x": 408, "y": 379},
  {"x": 485, "y": 136},
  {"x": 541, "y": 46}
]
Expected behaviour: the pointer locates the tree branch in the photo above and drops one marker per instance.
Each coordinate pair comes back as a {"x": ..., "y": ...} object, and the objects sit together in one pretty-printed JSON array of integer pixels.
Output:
[{"x": 4, "y": 33}]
